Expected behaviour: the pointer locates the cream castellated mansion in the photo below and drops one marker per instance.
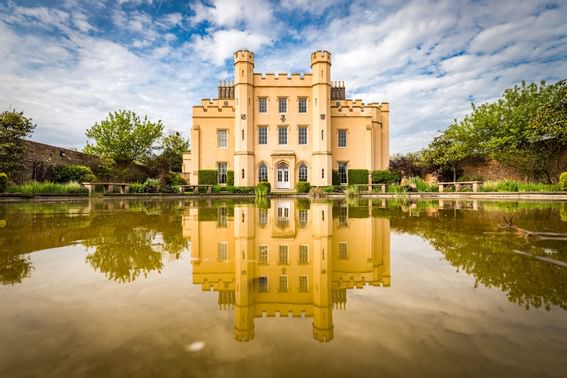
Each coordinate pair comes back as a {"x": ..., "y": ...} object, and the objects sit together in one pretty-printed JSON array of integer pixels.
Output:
[{"x": 284, "y": 129}]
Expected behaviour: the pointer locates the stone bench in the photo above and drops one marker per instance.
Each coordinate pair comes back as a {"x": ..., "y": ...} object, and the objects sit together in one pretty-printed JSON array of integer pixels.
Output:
[
  {"x": 458, "y": 184},
  {"x": 106, "y": 186}
]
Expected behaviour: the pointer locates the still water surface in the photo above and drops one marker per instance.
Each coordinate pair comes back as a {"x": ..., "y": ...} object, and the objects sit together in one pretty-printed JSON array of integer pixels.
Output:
[{"x": 176, "y": 288}]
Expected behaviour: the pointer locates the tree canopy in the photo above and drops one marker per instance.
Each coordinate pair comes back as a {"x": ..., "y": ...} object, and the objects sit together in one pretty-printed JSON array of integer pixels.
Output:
[
  {"x": 173, "y": 146},
  {"x": 124, "y": 137},
  {"x": 526, "y": 129},
  {"x": 14, "y": 126}
]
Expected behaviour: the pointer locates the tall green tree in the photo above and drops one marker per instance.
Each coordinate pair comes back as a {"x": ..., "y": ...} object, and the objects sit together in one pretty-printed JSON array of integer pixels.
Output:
[
  {"x": 523, "y": 128},
  {"x": 408, "y": 164},
  {"x": 173, "y": 147},
  {"x": 124, "y": 137},
  {"x": 448, "y": 150},
  {"x": 526, "y": 129},
  {"x": 14, "y": 127}
]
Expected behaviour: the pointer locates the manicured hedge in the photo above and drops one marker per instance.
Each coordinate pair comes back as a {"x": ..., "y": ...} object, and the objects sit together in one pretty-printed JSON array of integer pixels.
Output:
[
  {"x": 302, "y": 187},
  {"x": 357, "y": 176},
  {"x": 230, "y": 178},
  {"x": 336, "y": 178},
  {"x": 563, "y": 181},
  {"x": 3, "y": 182},
  {"x": 73, "y": 172},
  {"x": 240, "y": 189},
  {"x": 386, "y": 177},
  {"x": 208, "y": 176},
  {"x": 262, "y": 189}
]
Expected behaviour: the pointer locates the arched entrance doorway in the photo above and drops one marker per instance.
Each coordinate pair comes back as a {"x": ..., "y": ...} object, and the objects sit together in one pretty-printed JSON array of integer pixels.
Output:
[{"x": 282, "y": 176}]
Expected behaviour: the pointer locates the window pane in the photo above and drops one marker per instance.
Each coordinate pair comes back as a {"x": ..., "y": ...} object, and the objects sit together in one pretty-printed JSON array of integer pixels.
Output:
[
  {"x": 222, "y": 173},
  {"x": 263, "y": 284},
  {"x": 283, "y": 255},
  {"x": 263, "y": 254},
  {"x": 303, "y": 217},
  {"x": 222, "y": 138},
  {"x": 342, "y": 138},
  {"x": 303, "y": 283},
  {"x": 303, "y": 254},
  {"x": 343, "y": 177},
  {"x": 343, "y": 216},
  {"x": 263, "y": 217},
  {"x": 282, "y": 102},
  {"x": 222, "y": 213},
  {"x": 303, "y": 105},
  {"x": 302, "y": 135},
  {"x": 302, "y": 172},
  {"x": 262, "y": 135},
  {"x": 262, "y": 173},
  {"x": 263, "y": 105},
  {"x": 283, "y": 283},
  {"x": 343, "y": 251},
  {"x": 282, "y": 135},
  {"x": 222, "y": 251}
]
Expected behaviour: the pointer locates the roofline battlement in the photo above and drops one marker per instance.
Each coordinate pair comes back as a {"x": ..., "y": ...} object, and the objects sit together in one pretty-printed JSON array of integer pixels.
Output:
[
  {"x": 243, "y": 55},
  {"x": 282, "y": 79},
  {"x": 350, "y": 107},
  {"x": 320, "y": 56},
  {"x": 214, "y": 108}
]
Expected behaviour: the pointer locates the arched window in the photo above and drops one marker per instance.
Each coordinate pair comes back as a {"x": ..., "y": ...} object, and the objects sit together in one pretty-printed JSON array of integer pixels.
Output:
[
  {"x": 302, "y": 172},
  {"x": 262, "y": 173}
]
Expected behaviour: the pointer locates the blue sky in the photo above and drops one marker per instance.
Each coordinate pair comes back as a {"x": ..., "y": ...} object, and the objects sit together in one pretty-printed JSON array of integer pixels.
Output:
[{"x": 68, "y": 63}]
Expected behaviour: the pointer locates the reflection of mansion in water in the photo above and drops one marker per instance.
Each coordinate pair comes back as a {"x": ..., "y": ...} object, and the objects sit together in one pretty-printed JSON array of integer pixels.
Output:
[{"x": 286, "y": 260}]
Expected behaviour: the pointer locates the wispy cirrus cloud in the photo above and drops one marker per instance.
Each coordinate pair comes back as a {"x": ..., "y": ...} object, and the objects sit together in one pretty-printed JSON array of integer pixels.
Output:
[{"x": 69, "y": 64}]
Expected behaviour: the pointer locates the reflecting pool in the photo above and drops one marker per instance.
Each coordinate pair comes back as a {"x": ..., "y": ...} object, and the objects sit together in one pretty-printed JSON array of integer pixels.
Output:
[{"x": 177, "y": 288}]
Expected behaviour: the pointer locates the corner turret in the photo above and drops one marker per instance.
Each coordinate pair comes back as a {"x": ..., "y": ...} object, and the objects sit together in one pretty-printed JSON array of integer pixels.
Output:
[
  {"x": 244, "y": 56},
  {"x": 320, "y": 56}
]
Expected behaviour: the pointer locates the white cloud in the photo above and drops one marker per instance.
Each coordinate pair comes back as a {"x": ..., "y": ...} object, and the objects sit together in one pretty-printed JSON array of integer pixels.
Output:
[
  {"x": 220, "y": 45},
  {"x": 308, "y": 6},
  {"x": 428, "y": 59},
  {"x": 254, "y": 14}
]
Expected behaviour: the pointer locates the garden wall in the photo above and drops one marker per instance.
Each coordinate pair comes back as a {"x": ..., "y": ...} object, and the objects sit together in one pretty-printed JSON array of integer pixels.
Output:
[
  {"x": 38, "y": 157},
  {"x": 492, "y": 170}
]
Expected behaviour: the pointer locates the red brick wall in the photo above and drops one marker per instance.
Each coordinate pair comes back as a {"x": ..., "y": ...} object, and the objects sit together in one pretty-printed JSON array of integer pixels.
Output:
[
  {"x": 491, "y": 170},
  {"x": 38, "y": 157}
]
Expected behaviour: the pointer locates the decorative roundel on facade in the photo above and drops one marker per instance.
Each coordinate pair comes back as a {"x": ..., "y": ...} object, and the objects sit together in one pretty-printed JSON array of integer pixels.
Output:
[{"x": 243, "y": 117}]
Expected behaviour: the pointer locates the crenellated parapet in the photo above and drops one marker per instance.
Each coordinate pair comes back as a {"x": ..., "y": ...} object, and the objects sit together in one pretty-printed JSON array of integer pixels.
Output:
[
  {"x": 283, "y": 310},
  {"x": 214, "y": 108},
  {"x": 222, "y": 282},
  {"x": 243, "y": 56},
  {"x": 282, "y": 80},
  {"x": 350, "y": 107},
  {"x": 320, "y": 56}
]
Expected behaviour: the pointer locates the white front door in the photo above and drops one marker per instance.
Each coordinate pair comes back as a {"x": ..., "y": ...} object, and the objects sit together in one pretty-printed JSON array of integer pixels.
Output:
[{"x": 282, "y": 175}]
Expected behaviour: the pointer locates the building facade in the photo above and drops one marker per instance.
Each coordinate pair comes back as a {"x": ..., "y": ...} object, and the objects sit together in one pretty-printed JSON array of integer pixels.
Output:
[
  {"x": 285, "y": 128},
  {"x": 286, "y": 259}
]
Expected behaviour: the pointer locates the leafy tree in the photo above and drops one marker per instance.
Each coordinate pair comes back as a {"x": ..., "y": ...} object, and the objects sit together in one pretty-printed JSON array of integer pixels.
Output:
[
  {"x": 475, "y": 243},
  {"x": 14, "y": 268},
  {"x": 173, "y": 147},
  {"x": 525, "y": 129},
  {"x": 409, "y": 165},
  {"x": 125, "y": 257},
  {"x": 447, "y": 150},
  {"x": 14, "y": 126},
  {"x": 124, "y": 137}
]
